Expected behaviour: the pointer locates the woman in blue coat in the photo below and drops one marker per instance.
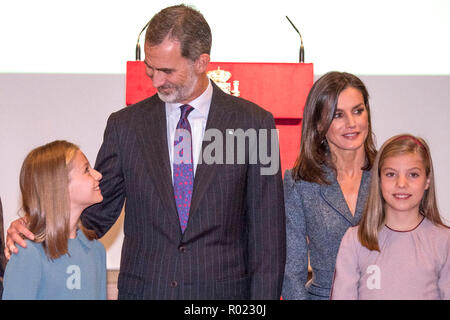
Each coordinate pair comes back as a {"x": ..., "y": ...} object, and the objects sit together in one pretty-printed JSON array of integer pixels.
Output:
[{"x": 326, "y": 191}]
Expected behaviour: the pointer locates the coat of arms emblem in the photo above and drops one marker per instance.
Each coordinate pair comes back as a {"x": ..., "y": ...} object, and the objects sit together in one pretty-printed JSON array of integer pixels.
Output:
[{"x": 220, "y": 77}]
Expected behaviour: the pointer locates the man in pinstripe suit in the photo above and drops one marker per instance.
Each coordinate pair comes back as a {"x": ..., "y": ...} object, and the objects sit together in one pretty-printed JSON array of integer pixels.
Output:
[{"x": 233, "y": 246}]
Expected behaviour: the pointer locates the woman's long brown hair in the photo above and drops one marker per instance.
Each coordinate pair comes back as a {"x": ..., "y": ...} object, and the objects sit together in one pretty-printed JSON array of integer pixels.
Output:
[{"x": 318, "y": 114}]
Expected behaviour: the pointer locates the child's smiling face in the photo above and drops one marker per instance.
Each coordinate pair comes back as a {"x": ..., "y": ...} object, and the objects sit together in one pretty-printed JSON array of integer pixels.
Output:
[
  {"x": 403, "y": 183},
  {"x": 84, "y": 189}
]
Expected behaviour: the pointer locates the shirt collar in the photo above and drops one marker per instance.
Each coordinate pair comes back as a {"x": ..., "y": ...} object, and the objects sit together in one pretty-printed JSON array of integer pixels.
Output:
[
  {"x": 82, "y": 238},
  {"x": 200, "y": 104}
]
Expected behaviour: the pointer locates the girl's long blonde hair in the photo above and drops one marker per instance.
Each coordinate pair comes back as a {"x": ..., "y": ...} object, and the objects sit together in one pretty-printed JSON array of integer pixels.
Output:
[
  {"x": 44, "y": 180},
  {"x": 374, "y": 213}
]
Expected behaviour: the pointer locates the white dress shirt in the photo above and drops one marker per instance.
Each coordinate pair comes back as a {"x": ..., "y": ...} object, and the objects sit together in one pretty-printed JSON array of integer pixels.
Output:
[{"x": 197, "y": 119}]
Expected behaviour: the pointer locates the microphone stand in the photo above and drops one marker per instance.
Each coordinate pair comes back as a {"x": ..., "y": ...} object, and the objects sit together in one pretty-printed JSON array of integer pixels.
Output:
[
  {"x": 301, "y": 57},
  {"x": 138, "y": 47}
]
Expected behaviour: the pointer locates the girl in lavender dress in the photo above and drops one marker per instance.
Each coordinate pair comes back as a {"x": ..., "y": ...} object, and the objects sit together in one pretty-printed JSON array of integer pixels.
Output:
[{"x": 401, "y": 249}]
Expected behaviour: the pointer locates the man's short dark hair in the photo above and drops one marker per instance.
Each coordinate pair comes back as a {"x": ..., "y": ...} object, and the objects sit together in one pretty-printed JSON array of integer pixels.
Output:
[{"x": 184, "y": 24}]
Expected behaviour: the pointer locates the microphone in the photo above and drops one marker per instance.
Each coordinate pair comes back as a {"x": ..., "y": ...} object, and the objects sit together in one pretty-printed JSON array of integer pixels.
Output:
[
  {"x": 138, "y": 47},
  {"x": 301, "y": 58}
]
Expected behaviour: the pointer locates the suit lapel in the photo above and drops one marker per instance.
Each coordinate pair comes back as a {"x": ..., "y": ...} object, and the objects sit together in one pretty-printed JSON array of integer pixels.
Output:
[
  {"x": 333, "y": 195},
  {"x": 153, "y": 131},
  {"x": 154, "y": 141},
  {"x": 218, "y": 118},
  {"x": 362, "y": 194}
]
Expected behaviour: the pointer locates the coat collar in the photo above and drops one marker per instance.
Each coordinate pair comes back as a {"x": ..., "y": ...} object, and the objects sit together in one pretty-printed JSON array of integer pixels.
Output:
[{"x": 333, "y": 195}]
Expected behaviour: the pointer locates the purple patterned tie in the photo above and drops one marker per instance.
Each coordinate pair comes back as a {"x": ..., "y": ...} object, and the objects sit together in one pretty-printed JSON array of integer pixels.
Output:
[{"x": 183, "y": 170}]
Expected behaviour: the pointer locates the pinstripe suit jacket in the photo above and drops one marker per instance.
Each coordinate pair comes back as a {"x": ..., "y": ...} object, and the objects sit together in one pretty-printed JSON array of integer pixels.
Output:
[{"x": 234, "y": 243}]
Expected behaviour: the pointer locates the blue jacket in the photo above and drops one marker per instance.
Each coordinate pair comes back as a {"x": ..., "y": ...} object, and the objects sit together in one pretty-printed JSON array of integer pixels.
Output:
[{"x": 319, "y": 213}]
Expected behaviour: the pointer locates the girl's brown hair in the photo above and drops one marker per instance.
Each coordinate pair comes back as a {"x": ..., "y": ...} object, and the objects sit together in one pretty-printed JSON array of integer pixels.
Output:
[
  {"x": 318, "y": 114},
  {"x": 374, "y": 213},
  {"x": 44, "y": 180}
]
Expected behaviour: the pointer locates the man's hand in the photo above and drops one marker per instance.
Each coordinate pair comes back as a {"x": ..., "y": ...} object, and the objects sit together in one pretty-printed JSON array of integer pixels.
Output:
[{"x": 14, "y": 236}]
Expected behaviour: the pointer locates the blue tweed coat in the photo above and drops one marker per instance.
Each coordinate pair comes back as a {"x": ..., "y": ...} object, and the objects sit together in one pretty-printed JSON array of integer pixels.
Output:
[{"x": 317, "y": 216}]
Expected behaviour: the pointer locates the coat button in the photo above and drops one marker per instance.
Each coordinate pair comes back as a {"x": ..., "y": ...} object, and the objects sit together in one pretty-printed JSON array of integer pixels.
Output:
[
  {"x": 182, "y": 249},
  {"x": 174, "y": 284}
]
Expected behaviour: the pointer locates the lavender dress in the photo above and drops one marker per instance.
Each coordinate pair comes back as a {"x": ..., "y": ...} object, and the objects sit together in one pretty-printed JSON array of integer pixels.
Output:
[{"x": 411, "y": 265}]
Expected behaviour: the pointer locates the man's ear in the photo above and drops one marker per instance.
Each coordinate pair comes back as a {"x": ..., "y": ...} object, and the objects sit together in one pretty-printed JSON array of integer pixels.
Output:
[{"x": 202, "y": 62}]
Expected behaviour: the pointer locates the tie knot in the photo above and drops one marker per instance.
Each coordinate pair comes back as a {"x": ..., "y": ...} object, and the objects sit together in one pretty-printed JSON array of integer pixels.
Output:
[{"x": 185, "y": 110}]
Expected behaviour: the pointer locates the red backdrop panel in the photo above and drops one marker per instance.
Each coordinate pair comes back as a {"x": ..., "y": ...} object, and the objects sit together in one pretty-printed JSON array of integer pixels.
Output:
[{"x": 280, "y": 88}]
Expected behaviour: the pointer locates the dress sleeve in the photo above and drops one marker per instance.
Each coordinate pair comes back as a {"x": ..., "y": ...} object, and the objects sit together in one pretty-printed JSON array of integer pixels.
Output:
[
  {"x": 347, "y": 274},
  {"x": 23, "y": 274},
  {"x": 444, "y": 273},
  {"x": 296, "y": 269}
]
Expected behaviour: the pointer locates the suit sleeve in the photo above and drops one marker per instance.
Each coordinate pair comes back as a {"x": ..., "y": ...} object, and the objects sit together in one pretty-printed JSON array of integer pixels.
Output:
[
  {"x": 347, "y": 274},
  {"x": 296, "y": 270},
  {"x": 265, "y": 213},
  {"x": 100, "y": 217}
]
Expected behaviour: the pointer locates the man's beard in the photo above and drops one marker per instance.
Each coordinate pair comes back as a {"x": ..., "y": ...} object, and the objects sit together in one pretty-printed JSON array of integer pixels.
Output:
[{"x": 180, "y": 92}]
